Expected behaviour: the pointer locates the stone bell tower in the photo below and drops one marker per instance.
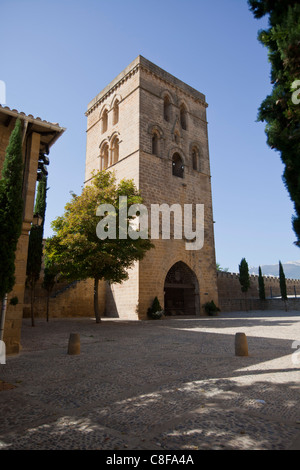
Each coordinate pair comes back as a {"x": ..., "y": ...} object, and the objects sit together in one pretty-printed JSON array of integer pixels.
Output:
[{"x": 148, "y": 126}]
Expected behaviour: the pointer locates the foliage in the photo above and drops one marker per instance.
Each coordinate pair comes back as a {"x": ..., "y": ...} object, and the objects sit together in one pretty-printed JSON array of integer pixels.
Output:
[
  {"x": 261, "y": 285},
  {"x": 14, "y": 301},
  {"x": 282, "y": 282},
  {"x": 220, "y": 269},
  {"x": 155, "y": 311},
  {"x": 35, "y": 245},
  {"x": 75, "y": 247},
  {"x": 278, "y": 110},
  {"x": 244, "y": 277},
  {"x": 211, "y": 308},
  {"x": 11, "y": 209}
]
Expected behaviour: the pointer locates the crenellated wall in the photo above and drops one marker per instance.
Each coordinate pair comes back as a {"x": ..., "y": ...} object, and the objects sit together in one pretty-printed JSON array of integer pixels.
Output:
[{"x": 232, "y": 298}]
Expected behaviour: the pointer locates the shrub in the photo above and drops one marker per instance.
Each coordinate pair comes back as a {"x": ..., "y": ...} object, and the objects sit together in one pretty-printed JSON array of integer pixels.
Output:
[
  {"x": 155, "y": 311},
  {"x": 211, "y": 308}
]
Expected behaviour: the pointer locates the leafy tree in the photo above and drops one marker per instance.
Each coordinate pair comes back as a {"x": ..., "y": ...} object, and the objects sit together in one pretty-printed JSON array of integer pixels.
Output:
[
  {"x": 50, "y": 275},
  {"x": 11, "y": 213},
  {"x": 261, "y": 285},
  {"x": 281, "y": 109},
  {"x": 282, "y": 282},
  {"x": 75, "y": 247},
  {"x": 35, "y": 246},
  {"x": 220, "y": 269}
]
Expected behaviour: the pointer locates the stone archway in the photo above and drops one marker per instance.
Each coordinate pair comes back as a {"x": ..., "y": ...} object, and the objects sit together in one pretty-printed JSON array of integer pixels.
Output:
[{"x": 181, "y": 291}]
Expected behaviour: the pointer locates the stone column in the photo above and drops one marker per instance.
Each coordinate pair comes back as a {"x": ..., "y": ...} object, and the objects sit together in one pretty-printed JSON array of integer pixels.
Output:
[{"x": 14, "y": 314}]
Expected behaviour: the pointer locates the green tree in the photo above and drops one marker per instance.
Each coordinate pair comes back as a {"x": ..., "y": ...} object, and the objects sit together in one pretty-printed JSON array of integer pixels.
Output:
[
  {"x": 261, "y": 285},
  {"x": 50, "y": 276},
  {"x": 35, "y": 245},
  {"x": 281, "y": 109},
  {"x": 282, "y": 282},
  {"x": 75, "y": 247},
  {"x": 11, "y": 214},
  {"x": 244, "y": 277}
]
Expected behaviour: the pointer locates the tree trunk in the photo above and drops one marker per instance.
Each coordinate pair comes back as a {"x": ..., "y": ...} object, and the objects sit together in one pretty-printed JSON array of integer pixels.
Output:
[
  {"x": 47, "y": 307},
  {"x": 32, "y": 302},
  {"x": 96, "y": 305},
  {"x": 3, "y": 313}
]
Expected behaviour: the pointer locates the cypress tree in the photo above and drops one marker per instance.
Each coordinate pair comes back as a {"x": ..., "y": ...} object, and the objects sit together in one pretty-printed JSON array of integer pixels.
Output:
[
  {"x": 35, "y": 246},
  {"x": 244, "y": 278},
  {"x": 282, "y": 282},
  {"x": 261, "y": 285},
  {"x": 11, "y": 213},
  {"x": 244, "y": 275}
]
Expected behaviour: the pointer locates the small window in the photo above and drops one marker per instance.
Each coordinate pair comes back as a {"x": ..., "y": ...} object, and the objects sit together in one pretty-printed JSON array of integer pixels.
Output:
[
  {"x": 104, "y": 121},
  {"x": 183, "y": 117},
  {"x": 116, "y": 112},
  {"x": 195, "y": 159},
  {"x": 155, "y": 144},
  {"x": 115, "y": 151},
  {"x": 104, "y": 157},
  {"x": 177, "y": 165},
  {"x": 167, "y": 109}
]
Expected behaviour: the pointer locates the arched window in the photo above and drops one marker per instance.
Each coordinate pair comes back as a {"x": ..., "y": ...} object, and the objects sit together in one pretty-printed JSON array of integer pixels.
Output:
[
  {"x": 104, "y": 157},
  {"x": 183, "y": 117},
  {"x": 115, "y": 150},
  {"x": 195, "y": 158},
  {"x": 104, "y": 121},
  {"x": 155, "y": 144},
  {"x": 167, "y": 109},
  {"x": 116, "y": 112},
  {"x": 177, "y": 165}
]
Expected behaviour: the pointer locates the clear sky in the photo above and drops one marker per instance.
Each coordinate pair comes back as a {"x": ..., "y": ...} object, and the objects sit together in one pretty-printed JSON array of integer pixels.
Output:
[{"x": 56, "y": 55}]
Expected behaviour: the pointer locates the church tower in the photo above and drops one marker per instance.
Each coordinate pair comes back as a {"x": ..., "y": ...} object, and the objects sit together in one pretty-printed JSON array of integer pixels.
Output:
[{"x": 148, "y": 126}]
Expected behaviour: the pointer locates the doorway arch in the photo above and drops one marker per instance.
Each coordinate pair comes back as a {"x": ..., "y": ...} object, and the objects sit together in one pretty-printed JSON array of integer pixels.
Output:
[{"x": 181, "y": 291}]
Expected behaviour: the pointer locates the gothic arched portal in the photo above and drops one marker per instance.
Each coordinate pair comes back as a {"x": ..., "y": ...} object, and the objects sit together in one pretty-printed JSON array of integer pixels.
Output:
[{"x": 181, "y": 291}]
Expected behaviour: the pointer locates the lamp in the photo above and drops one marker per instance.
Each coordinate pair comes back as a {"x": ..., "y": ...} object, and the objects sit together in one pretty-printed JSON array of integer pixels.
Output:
[{"x": 37, "y": 220}]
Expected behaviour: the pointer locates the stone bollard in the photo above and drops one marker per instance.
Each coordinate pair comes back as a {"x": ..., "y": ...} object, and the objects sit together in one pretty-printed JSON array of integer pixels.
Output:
[
  {"x": 74, "y": 344},
  {"x": 241, "y": 344}
]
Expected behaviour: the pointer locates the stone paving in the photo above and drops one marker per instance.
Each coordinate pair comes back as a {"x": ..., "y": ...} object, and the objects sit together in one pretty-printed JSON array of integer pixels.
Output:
[{"x": 171, "y": 384}]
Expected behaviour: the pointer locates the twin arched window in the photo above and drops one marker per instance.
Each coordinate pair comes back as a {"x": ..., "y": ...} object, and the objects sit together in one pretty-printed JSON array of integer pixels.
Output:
[
  {"x": 109, "y": 155},
  {"x": 115, "y": 116}
]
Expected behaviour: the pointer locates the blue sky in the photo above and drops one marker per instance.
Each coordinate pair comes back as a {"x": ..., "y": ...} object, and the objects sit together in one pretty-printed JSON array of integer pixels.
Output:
[{"x": 57, "y": 55}]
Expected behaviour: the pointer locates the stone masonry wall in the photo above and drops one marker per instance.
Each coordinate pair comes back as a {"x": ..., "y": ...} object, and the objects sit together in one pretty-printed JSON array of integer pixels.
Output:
[{"x": 231, "y": 297}]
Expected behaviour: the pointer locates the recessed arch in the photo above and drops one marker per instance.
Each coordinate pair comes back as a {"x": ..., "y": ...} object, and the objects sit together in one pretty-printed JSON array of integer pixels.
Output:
[
  {"x": 177, "y": 165},
  {"x": 181, "y": 291},
  {"x": 104, "y": 119},
  {"x": 183, "y": 113},
  {"x": 115, "y": 142},
  {"x": 156, "y": 142},
  {"x": 104, "y": 155}
]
